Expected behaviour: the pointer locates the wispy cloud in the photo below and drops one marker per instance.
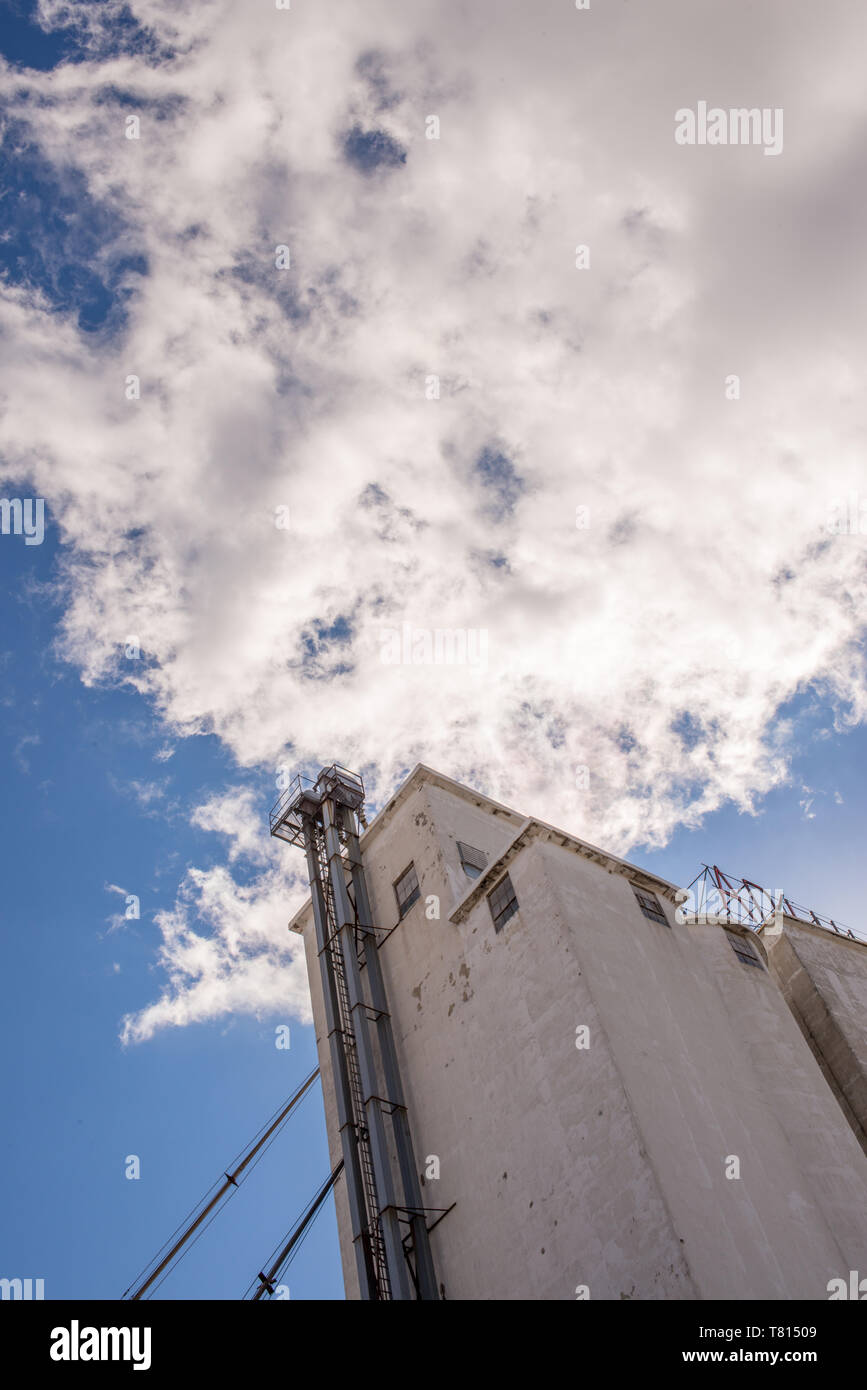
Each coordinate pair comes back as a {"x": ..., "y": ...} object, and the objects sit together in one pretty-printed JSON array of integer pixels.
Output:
[
  {"x": 149, "y": 795},
  {"x": 18, "y": 753}
]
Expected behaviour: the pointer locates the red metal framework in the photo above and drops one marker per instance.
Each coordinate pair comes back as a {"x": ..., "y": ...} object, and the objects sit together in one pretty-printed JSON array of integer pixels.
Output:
[{"x": 741, "y": 900}]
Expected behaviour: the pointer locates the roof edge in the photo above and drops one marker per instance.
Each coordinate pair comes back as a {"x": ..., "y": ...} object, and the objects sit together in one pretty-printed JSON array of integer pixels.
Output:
[
  {"x": 423, "y": 774},
  {"x": 533, "y": 829}
]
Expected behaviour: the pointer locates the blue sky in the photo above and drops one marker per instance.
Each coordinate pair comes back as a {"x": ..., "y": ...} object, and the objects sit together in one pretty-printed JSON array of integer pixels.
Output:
[
  {"x": 398, "y": 426},
  {"x": 79, "y": 1102}
]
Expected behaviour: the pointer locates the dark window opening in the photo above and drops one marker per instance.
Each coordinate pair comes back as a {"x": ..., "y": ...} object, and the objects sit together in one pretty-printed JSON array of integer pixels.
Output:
[
  {"x": 472, "y": 860},
  {"x": 744, "y": 950},
  {"x": 502, "y": 902},
  {"x": 406, "y": 890},
  {"x": 650, "y": 906}
]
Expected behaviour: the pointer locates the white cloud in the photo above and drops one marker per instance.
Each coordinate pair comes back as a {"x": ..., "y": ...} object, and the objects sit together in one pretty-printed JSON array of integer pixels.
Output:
[
  {"x": 656, "y": 645},
  {"x": 247, "y": 964},
  {"x": 237, "y": 814},
  {"x": 225, "y": 948}
]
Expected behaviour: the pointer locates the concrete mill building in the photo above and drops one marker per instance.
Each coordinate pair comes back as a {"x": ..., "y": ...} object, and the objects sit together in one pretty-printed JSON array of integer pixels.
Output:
[{"x": 546, "y": 1084}]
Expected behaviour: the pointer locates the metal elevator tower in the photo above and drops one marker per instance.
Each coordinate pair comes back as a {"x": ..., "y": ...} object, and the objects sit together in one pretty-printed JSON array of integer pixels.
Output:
[{"x": 381, "y": 1175}]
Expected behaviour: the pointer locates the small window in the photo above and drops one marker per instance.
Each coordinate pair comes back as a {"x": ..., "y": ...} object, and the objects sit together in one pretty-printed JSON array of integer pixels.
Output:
[
  {"x": 502, "y": 902},
  {"x": 406, "y": 890},
  {"x": 472, "y": 860},
  {"x": 744, "y": 949},
  {"x": 650, "y": 906}
]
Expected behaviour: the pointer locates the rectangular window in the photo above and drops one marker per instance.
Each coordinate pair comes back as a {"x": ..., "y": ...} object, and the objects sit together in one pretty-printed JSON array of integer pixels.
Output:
[
  {"x": 502, "y": 902},
  {"x": 406, "y": 890},
  {"x": 650, "y": 906},
  {"x": 472, "y": 860},
  {"x": 744, "y": 949}
]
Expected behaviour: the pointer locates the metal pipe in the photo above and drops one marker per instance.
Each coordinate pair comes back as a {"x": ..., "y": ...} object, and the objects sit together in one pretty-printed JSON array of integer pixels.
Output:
[
  {"x": 425, "y": 1272},
  {"x": 389, "y": 1220},
  {"x": 343, "y": 1093}
]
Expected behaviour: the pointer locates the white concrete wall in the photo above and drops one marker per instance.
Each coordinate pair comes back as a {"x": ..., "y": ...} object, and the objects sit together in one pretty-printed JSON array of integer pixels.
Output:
[
  {"x": 824, "y": 981},
  {"x": 714, "y": 1066},
  {"x": 606, "y": 1166},
  {"x": 547, "y": 1173}
]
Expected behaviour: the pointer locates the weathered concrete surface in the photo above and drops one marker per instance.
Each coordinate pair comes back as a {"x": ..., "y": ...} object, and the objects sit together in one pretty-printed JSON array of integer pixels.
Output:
[
  {"x": 824, "y": 981},
  {"x": 601, "y": 1166}
]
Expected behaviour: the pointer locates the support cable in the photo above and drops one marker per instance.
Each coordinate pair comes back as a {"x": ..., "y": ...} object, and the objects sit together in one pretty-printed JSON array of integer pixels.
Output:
[
  {"x": 229, "y": 1181},
  {"x": 296, "y": 1237}
]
